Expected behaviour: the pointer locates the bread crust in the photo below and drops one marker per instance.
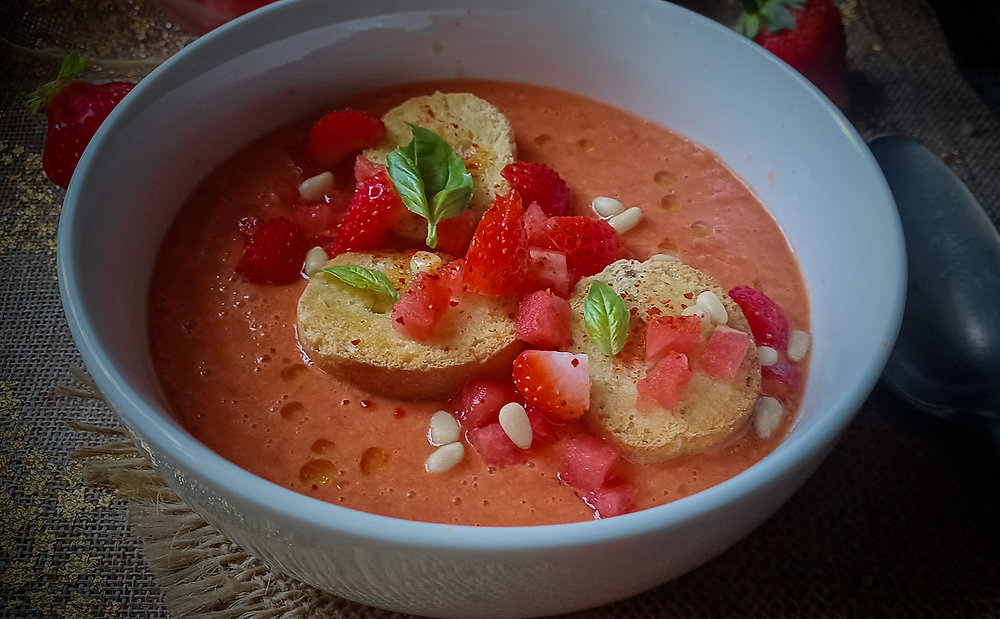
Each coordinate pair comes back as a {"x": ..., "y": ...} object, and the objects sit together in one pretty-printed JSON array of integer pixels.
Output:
[
  {"x": 475, "y": 128},
  {"x": 710, "y": 412},
  {"x": 348, "y": 333}
]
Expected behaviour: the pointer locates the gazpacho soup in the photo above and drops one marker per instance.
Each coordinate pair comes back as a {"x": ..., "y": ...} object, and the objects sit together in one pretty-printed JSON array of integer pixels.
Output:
[{"x": 480, "y": 303}]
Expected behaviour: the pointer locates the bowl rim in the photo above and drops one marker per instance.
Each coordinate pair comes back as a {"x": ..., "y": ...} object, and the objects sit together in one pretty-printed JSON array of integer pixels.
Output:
[{"x": 281, "y": 504}]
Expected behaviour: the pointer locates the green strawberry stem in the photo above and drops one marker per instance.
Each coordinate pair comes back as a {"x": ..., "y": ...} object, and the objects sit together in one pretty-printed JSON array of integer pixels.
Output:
[
  {"x": 73, "y": 64},
  {"x": 773, "y": 14}
]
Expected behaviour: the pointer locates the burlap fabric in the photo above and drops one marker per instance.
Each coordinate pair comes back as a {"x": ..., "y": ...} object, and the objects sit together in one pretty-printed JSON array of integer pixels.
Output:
[{"x": 901, "y": 520}]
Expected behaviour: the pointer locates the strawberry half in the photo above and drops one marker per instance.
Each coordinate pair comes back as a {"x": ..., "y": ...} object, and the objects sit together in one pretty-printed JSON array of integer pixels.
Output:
[
  {"x": 807, "y": 34},
  {"x": 539, "y": 184},
  {"x": 589, "y": 244},
  {"x": 554, "y": 383},
  {"x": 343, "y": 133},
  {"x": 275, "y": 251},
  {"x": 375, "y": 209},
  {"x": 75, "y": 110},
  {"x": 498, "y": 254},
  {"x": 767, "y": 321}
]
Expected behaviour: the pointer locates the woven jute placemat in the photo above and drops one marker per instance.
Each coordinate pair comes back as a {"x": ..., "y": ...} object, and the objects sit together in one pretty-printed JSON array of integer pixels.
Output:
[{"x": 901, "y": 520}]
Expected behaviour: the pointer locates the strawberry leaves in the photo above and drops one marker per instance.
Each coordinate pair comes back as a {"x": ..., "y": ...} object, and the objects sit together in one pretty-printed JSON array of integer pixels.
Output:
[
  {"x": 430, "y": 178},
  {"x": 773, "y": 13}
]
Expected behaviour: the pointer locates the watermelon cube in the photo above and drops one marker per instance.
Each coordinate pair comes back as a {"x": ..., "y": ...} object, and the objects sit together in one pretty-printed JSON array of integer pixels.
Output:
[
  {"x": 495, "y": 446},
  {"x": 547, "y": 269},
  {"x": 480, "y": 400},
  {"x": 543, "y": 431},
  {"x": 421, "y": 306},
  {"x": 535, "y": 224},
  {"x": 611, "y": 500},
  {"x": 543, "y": 320},
  {"x": 724, "y": 353},
  {"x": 588, "y": 463},
  {"x": 664, "y": 384},
  {"x": 671, "y": 334}
]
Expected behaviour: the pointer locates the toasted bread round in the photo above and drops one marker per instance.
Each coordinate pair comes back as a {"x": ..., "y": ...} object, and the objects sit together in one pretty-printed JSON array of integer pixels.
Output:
[
  {"x": 710, "y": 411},
  {"x": 476, "y": 129},
  {"x": 347, "y": 332}
]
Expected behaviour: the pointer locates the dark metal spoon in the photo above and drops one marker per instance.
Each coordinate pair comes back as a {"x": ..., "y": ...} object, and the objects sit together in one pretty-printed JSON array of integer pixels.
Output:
[{"x": 947, "y": 357}]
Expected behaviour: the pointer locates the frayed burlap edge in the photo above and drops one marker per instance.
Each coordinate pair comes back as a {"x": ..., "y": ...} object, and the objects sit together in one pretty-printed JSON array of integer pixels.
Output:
[{"x": 202, "y": 573}]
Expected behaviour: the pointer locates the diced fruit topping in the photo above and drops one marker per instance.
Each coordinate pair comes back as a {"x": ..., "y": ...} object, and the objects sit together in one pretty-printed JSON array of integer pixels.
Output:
[
  {"x": 664, "y": 384},
  {"x": 547, "y": 270},
  {"x": 374, "y": 210},
  {"x": 781, "y": 380},
  {"x": 455, "y": 234},
  {"x": 342, "y": 133},
  {"x": 767, "y": 322},
  {"x": 589, "y": 244},
  {"x": 495, "y": 446},
  {"x": 555, "y": 383},
  {"x": 365, "y": 168},
  {"x": 539, "y": 184},
  {"x": 543, "y": 431},
  {"x": 611, "y": 501},
  {"x": 724, "y": 353},
  {"x": 421, "y": 306},
  {"x": 588, "y": 463},
  {"x": 666, "y": 334},
  {"x": 480, "y": 400},
  {"x": 543, "y": 320},
  {"x": 498, "y": 255},
  {"x": 274, "y": 253},
  {"x": 536, "y": 224}
]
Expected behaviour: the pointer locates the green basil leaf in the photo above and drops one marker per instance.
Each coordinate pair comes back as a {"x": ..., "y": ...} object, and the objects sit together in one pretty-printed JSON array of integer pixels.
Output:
[
  {"x": 606, "y": 318},
  {"x": 365, "y": 279},
  {"x": 430, "y": 178}
]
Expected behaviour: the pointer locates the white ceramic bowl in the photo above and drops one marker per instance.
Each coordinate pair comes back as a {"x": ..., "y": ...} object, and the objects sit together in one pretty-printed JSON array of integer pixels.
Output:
[{"x": 657, "y": 60}]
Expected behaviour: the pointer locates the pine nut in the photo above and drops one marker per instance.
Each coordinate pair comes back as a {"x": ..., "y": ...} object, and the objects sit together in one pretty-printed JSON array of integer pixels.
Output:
[
  {"x": 798, "y": 345},
  {"x": 516, "y": 425},
  {"x": 768, "y": 355},
  {"x": 315, "y": 260},
  {"x": 606, "y": 207},
  {"x": 314, "y": 188},
  {"x": 695, "y": 310},
  {"x": 626, "y": 220},
  {"x": 664, "y": 258},
  {"x": 443, "y": 429},
  {"x": 425, "y": 262},
  {"x": 713, "y": 306},
  {"x": 767, "y": 416},
  {"x": 444, "y": 458}
]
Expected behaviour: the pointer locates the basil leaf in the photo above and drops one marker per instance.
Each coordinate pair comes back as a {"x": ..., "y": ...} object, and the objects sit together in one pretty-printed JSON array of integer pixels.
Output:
[
  {"x": 365, "y": 279},
  {"x": 606, "y": 318},
  {"x": 430, "y": 179}
]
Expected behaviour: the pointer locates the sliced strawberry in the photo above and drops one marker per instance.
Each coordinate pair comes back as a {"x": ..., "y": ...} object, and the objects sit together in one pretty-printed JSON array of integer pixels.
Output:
[
  {"x": 342, "y": 133},
  {"x": 274, "y": 253},
  {"x": 724, "y": 353},
  {"x": 539, "y": 184},
  {"x": 320, "y": 221},
  {"x": 781, "y": 380},
  {"x": 495, "y": 446},
  {"x": 671, "y": 334},
  {"x": 664, "y": 384},
  {"x": 767, "y": 321},
  {"x": 611, "y": 501},
  {"x": 543, "y": 320},
  {"x": 498, "y": 255},
  {"x": 555, "y": 383},
  {"x": 589, "y": 244},
  {"x": 455, "y": 233},
  {"x": 375, "y": 209},
  {"x": 480, "y": 400},
  {"x": 588, "y": 463}
]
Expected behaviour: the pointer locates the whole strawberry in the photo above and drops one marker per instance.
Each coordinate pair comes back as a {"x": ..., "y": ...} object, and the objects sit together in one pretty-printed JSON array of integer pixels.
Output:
[
  {"x": 75, "y": 110},
  {"x": 807, "y": 34}
]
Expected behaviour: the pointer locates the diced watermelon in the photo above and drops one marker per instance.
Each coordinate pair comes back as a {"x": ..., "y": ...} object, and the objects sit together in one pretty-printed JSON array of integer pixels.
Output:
[
  {"x": 671, "y": 334},
  {"x": 781, "y": 380},
  {"x": 724, "y": 352},
  {"x": 535, "y": 224},
  {"x": 495, "y": 446},
  {"x": 610, "y": 501},
  {"x": 588, "y": 463},
  {"x": 421, "y": 306},
  {"x": 547, "y": 269},
  {"x": 543, "y": 431},
  {"x": 480, "y": 400},
  {"x": 664, "y": 384},
  {"x": 543, "y": 320}
]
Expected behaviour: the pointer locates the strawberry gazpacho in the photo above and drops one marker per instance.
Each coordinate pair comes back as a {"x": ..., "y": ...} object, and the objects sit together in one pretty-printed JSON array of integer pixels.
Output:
[{"x": 481, "y": 303}]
